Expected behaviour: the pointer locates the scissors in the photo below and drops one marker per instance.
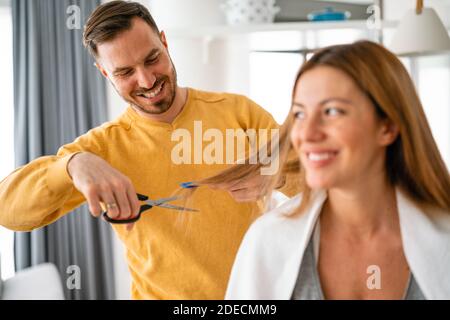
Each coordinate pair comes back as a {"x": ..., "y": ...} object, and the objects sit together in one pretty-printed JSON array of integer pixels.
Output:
[{"x": 162, "y": 203}]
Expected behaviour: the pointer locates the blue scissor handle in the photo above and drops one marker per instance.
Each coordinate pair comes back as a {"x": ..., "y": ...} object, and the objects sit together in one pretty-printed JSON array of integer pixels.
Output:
[{"x": 188, "y": 185}]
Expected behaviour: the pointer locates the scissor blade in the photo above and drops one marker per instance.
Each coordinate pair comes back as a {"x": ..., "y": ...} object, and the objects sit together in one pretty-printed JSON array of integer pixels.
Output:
[
  {"x": 170, "y": 206},
  {"x": 161, "y": 201}
]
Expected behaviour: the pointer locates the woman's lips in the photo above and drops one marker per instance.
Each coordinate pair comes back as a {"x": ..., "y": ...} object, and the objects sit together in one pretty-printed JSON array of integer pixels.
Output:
[{"x": 319, "y": 159}]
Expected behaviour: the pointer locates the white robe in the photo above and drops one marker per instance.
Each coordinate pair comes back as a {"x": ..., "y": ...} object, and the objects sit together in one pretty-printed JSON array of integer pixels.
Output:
[{"x": 269, "y": 258}]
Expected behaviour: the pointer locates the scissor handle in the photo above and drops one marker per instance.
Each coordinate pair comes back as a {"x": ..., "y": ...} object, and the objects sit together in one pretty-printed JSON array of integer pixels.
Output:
[
  {"x": 114, "y": 221},
  {"x": 143, "y": 208}
]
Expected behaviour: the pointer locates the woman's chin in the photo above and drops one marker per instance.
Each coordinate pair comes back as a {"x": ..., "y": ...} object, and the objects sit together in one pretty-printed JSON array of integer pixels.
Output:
[{"x": 318, "y": 182}]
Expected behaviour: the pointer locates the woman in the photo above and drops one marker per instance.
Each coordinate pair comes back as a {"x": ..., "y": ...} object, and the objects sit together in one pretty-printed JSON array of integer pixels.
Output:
[{"x": 373, "y": 221}]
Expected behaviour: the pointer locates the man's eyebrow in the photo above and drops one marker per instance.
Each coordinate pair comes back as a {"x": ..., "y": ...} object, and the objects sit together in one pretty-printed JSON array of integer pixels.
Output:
[
  {"x": 150, "y": 55},
  {"x": 343, "y": 100}
]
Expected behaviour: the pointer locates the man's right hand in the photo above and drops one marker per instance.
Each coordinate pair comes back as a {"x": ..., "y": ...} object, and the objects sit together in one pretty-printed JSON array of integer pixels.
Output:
[{"x": 100, "y": 182}]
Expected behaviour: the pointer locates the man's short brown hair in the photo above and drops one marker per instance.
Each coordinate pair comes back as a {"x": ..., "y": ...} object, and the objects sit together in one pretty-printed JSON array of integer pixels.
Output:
[{"x": 112, "y": 18}]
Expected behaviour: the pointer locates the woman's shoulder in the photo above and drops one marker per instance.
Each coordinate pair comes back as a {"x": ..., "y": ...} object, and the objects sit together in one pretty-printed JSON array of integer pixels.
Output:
[
  {"x": 283, "y": 207},
  {"x": 284, "y": 220},
  {"x": 410, "y": 208},
  {"x": 278, "y": 215}
]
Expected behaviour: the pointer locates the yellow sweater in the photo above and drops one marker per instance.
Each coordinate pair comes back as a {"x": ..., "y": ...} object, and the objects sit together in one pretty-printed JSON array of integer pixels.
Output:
[{"x": 168, "y": 257}]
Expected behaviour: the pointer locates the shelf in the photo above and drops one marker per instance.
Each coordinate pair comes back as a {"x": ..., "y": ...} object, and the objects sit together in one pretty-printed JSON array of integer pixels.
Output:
[
  {"x": 223, "y": 31},
  {"x": 364, "y": 2}
]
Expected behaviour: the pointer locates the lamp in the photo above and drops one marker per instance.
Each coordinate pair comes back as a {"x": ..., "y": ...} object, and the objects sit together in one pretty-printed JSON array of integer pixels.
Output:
[{"x": 420, "y": 32}]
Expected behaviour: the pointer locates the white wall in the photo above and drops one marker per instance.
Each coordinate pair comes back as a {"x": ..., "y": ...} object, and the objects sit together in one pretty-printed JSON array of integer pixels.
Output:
[{"x": 208, "y": 64}]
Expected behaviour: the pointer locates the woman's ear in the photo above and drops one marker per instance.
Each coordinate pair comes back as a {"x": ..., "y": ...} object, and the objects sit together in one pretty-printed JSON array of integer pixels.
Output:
[{"x": 388, "y": 132}]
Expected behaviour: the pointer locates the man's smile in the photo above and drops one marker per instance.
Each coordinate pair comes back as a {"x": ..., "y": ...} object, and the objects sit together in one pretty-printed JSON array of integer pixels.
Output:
[{"x": 152, "y": 94}]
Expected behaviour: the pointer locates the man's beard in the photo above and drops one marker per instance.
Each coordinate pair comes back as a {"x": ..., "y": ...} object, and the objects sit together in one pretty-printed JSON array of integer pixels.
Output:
[{"x": 163, "y": 105}]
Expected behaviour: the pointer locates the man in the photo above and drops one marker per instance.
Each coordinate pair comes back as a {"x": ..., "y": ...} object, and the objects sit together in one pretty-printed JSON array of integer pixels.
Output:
[{"x": 133, "y": 154}]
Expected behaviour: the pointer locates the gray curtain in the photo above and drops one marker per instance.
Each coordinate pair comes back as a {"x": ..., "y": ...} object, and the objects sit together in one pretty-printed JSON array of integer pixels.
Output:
[{"x": 59, "y": 95}]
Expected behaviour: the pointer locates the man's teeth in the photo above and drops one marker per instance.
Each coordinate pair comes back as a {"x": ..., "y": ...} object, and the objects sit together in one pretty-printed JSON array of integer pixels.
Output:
[
  {"x": 153, "y": 93},
  {"x": 320, "y": 156}
]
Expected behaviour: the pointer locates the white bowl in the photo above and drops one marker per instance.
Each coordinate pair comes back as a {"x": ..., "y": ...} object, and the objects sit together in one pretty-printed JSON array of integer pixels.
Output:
[{"x": 249, "y": 11}]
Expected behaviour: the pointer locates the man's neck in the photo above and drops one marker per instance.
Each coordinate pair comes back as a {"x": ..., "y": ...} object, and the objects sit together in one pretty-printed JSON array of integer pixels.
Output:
[{"x": 177, "y": 106}]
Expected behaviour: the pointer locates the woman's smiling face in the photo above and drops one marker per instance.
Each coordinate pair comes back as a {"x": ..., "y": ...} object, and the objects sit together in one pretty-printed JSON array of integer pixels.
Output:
[{"x": 337, "y": 134}]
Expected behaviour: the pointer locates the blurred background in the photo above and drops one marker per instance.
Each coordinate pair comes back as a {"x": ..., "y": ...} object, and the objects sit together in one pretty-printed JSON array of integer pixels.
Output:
[{"x": 217, "y": 45}]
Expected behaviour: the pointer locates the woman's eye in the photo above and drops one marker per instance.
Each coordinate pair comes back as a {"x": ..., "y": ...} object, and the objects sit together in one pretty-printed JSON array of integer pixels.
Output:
[
  {"x": 299, "y": 115},
  {"x": 333, "y": 111}
]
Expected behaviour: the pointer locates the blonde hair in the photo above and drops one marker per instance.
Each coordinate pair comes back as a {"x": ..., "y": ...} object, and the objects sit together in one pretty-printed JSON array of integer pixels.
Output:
[{"x": 413, "y": 161}]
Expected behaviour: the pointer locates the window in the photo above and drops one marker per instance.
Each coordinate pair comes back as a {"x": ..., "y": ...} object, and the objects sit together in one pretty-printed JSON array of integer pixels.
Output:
[
  {"x": 273, "y": 65},
  {"x": 6, "y": 131},
  {"x": 272, "y": 75},
  {"x": 433, "y": 81}
]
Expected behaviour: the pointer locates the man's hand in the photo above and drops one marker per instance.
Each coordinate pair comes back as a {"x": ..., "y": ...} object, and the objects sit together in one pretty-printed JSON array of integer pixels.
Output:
[
  {"x": 247, "y": 190},
  {"x": 99, "y": 182}
]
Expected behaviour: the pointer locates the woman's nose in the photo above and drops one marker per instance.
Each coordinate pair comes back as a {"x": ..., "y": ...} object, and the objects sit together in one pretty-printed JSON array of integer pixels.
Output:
[{"x": 308, "y": 130}]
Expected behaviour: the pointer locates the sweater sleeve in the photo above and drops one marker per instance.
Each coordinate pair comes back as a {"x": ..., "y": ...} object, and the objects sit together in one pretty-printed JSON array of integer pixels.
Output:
[{"x": 39, "y": 193}]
